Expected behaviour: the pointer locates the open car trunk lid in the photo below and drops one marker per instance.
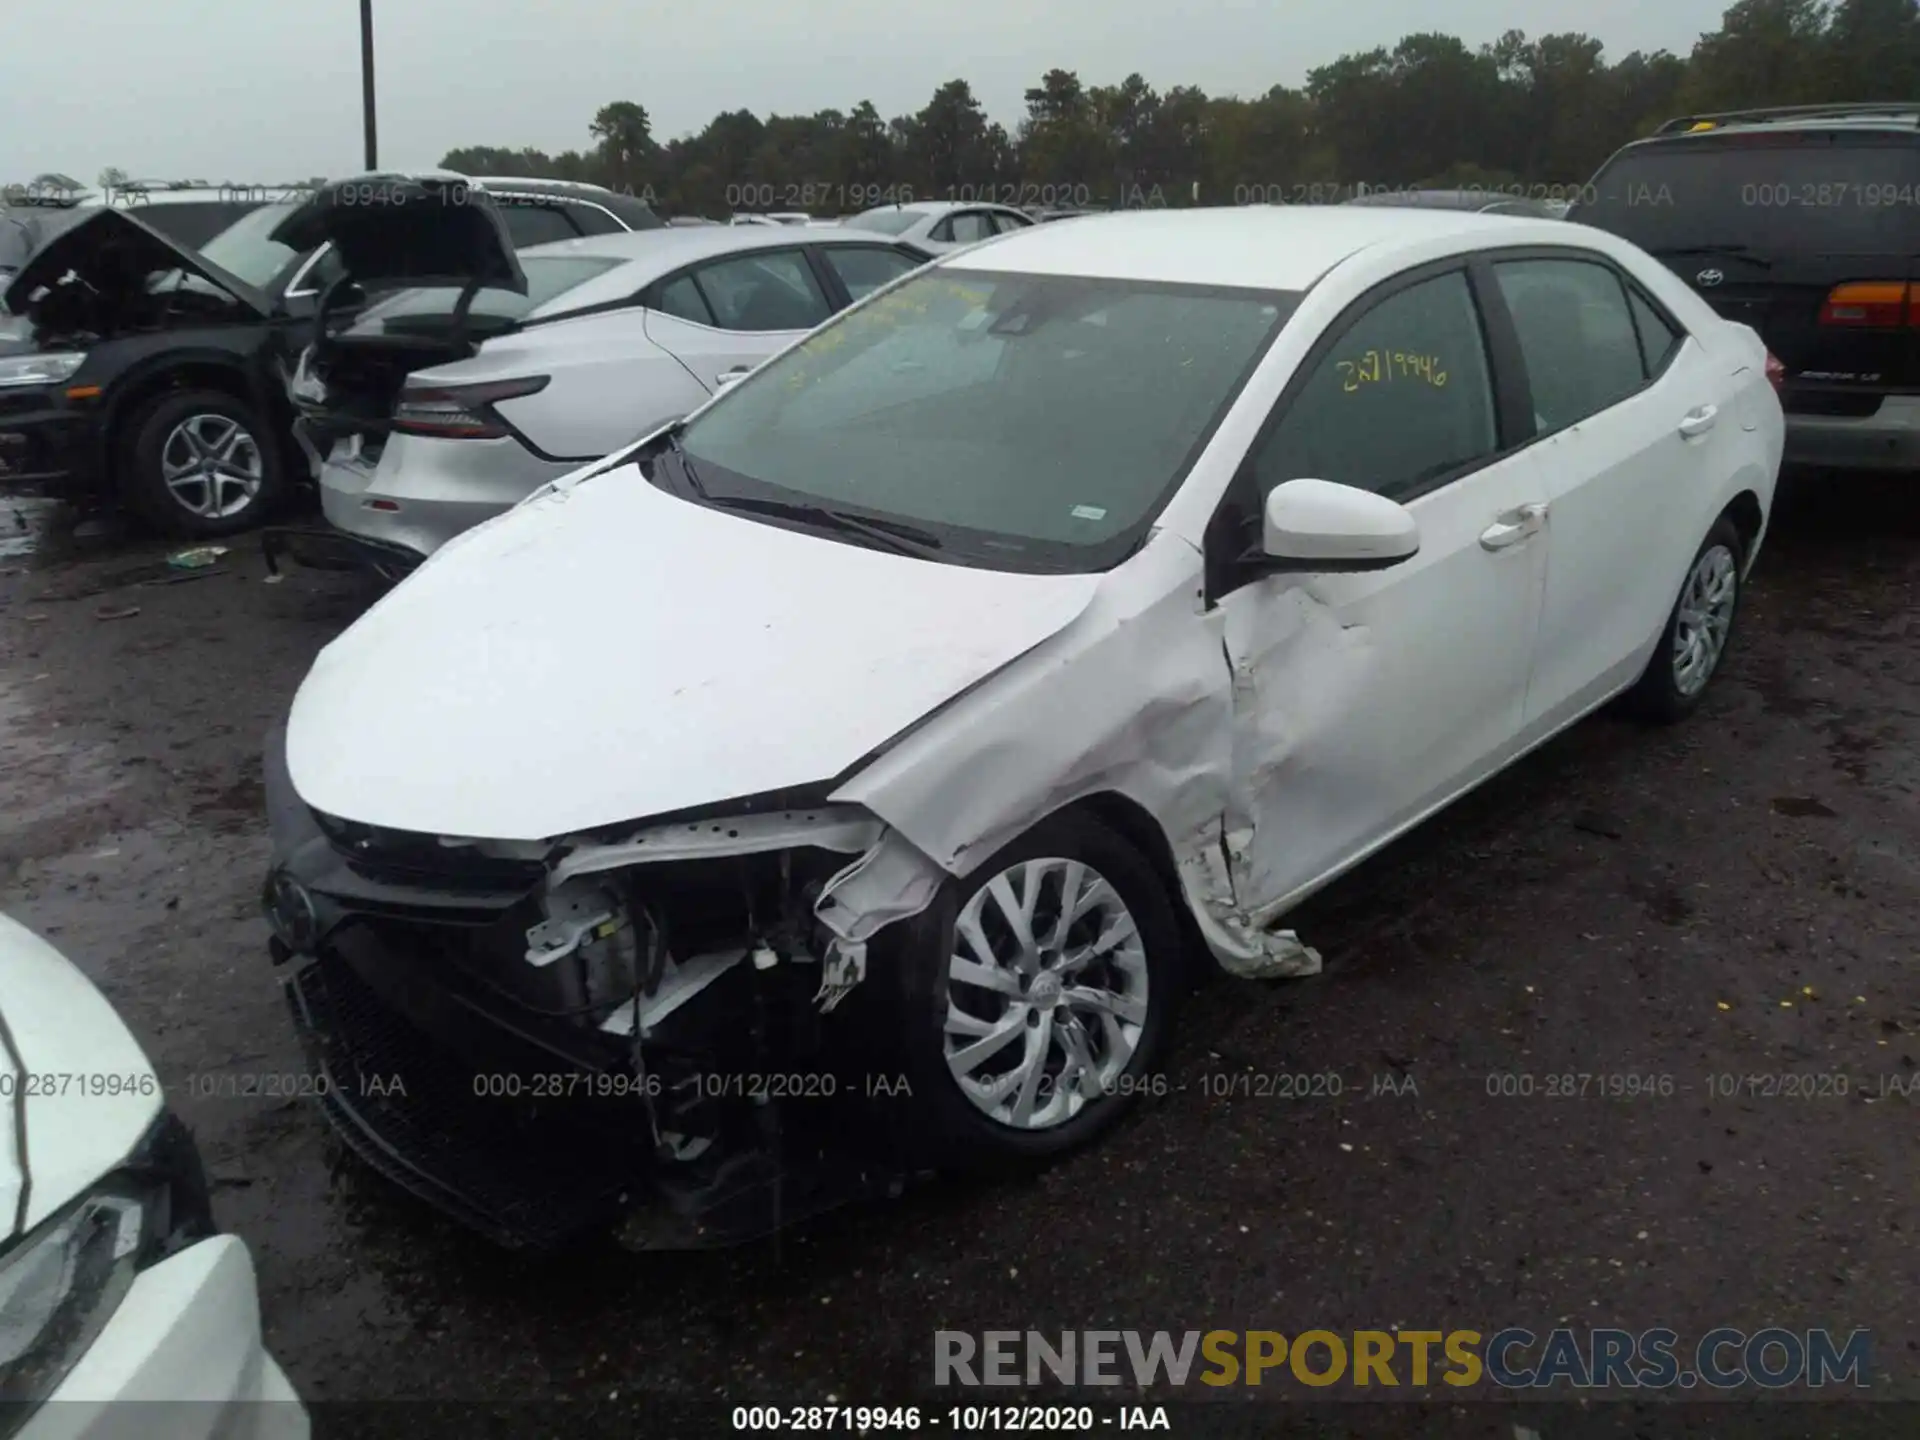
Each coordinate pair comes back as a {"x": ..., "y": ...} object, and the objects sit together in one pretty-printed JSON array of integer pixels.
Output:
[
  {"x": 391, "y": 231},
  {"x": 108, "y": 276}
]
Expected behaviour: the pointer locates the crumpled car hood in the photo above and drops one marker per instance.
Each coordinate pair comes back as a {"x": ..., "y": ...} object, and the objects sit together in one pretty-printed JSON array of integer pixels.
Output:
[
  {"x": 56, "y": 1024},
  {"x": 611, "y": 652},
  {"x": 107, "y": 250}
]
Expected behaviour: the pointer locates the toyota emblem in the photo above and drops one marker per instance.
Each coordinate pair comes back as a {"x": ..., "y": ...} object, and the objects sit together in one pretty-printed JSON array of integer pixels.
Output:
[{"x": 1709, "y": 278}]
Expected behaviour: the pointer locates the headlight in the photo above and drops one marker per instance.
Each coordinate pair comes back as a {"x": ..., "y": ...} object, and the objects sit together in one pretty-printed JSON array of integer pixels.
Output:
[
  {"x": 62, "y": 1282},
  {"x": 60, "y": 1285},
  {"x": 49, "y": 369}
]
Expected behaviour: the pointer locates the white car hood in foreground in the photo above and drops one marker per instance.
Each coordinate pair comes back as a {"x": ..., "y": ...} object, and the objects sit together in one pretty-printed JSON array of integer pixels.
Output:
[
  {"x": 61, "y": 1031},
  {"x": 612, "y": 652}
]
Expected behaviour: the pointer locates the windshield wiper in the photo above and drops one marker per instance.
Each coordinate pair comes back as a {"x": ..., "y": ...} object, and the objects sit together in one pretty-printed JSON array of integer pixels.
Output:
[
  {"x": 895, "y": 535},
  {"x": 1746, "y": 251},
  {"x": 892, "y": 535}
]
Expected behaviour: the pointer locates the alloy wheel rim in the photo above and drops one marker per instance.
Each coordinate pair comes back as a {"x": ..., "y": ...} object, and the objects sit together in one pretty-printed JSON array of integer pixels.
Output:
[
  {"x": 1704, "y": 619},
  {"x": 212, "y": 466},
  {"x": 1047, "y": 993}
]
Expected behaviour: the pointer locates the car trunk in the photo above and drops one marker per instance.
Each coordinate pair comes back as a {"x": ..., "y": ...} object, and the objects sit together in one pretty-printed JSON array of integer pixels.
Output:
[
  {"x": 430, "y": 246},
  {"x": 347, "y": 385},
  {"x": 1766, "y": 227}
]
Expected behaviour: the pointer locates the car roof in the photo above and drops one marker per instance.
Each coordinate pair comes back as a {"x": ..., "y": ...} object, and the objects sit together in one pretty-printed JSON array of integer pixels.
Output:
[
  {"x": 646, "y": 255},
  {"x": 541, "y": 185},
  {"x": 1265, "y": 247},
  {"x": 936, "y": 207},
  {"x": 1895, "y": 117}
]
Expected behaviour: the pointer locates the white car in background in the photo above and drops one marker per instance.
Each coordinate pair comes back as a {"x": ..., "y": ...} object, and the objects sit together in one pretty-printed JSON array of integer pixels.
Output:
[
  {"x": 114, "y": 1284},
  {"x": 941, "y": 225},
  {"x": 1052, "y": 622},
  {"x": 581, "y": 347}
]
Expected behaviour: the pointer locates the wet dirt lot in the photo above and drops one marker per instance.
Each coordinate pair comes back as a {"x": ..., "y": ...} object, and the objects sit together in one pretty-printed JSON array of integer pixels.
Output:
[{"x": 1734, "y": 899}]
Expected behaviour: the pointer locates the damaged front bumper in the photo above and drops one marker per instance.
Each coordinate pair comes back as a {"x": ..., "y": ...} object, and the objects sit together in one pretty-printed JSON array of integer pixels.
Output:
[
  {"x": 49, "y": 446},
  {"x": 635, "y": 1035}
]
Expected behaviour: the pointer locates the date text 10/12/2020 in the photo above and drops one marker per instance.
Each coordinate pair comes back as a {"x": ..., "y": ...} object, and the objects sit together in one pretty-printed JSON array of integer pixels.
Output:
[{"x": 954, "y": 1419}]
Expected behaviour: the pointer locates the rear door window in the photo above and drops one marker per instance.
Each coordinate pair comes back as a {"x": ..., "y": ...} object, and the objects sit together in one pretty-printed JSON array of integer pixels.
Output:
[
  {"x": 1805, "y": 192},
  {"x": 863, "y": 269},
  {"x": 1576, "y": 335},
  {"x": 969, "y": 226},
  {"x": 767, "y": 290}
]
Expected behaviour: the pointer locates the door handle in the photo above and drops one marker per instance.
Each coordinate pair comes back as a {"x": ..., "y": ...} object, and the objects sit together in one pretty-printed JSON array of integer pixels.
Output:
[
  {"x": 1698, "y": 422},
  {"x": 1513, "y": 526}
]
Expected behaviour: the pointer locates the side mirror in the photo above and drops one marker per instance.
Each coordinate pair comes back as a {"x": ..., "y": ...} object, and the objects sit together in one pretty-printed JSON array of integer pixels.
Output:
[{"x": 1316, "y": 526}]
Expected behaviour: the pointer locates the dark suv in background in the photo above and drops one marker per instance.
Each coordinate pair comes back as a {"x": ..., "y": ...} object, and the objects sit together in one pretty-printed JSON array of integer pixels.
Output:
[
  {"x": 142, "y": 369},
  {"x": 1803, "y": 222}
]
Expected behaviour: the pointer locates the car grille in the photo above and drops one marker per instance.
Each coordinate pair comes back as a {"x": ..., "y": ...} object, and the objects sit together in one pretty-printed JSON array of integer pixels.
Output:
[
  {"x": 405, "y": 858},
  {"x": 521, "y": 1184}
]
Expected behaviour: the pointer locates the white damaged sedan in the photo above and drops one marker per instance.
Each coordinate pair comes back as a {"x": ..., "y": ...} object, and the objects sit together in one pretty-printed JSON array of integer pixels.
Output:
[
  {"x": 847, "y": 780},
  {"x": 122, "y": 1312}
]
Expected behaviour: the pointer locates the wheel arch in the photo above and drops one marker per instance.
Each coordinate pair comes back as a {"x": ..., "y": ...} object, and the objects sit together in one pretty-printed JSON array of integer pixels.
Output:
[
  {"x": 1135, "y": 824},
  {"x": 197, "y": 370},
  {"x": 1748, "y": 519}
]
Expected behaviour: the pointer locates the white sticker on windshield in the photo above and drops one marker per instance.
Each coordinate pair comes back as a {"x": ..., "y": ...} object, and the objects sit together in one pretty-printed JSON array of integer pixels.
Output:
[{"x": 1089, "y": 512}]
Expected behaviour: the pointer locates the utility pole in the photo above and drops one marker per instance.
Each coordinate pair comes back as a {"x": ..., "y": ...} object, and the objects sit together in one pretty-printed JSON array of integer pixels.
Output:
[{"x": 366, "y": 82}]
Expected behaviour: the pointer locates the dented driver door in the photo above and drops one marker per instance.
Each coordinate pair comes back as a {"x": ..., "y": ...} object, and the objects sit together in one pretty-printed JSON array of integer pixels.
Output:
[{"x": 1363, "y": 701}]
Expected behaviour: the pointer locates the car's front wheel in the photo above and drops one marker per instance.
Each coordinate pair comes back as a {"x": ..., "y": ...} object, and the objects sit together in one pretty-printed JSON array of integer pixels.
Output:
[
  {"x": 202, "y": 464},
  {"x": 1050, "y": 992},
  {"x": 1698, "y": 630}
]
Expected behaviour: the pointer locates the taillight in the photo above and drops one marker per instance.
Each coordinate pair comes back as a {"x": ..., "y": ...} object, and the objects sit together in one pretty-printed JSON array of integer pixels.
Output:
[
  {"x": 460, "y": 412},
  {"x": 1776, "y": 372},
  {"x": 1871, "y": 303}
]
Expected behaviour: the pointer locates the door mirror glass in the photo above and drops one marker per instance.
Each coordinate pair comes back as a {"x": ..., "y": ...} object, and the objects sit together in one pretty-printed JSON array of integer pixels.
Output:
[{"x": 1316, "y": 525}]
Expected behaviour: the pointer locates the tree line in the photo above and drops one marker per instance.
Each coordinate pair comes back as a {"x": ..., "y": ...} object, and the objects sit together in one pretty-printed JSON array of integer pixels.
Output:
[{"x": 1535, "y": 115}]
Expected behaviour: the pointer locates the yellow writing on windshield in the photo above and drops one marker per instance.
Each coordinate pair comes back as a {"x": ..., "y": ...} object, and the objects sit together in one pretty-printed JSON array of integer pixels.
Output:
[{"x": 1385, "y": 366}]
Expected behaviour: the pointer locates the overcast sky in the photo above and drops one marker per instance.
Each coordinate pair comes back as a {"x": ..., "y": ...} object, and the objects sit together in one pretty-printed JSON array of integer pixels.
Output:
[{"x": 265, "y": 90}]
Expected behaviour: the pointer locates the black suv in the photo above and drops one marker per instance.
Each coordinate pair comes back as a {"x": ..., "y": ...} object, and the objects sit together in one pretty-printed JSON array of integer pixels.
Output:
[
  {"x": 1804, "y": 223},
  {"x": 136, "y": 368}
]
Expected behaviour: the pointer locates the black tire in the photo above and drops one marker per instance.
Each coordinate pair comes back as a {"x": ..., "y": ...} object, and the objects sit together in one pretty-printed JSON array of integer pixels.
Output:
[
  {"x": 952, "y": 1131},
  {"x": 1658, "y": 696},
  {"x": 204, "y": 508}
]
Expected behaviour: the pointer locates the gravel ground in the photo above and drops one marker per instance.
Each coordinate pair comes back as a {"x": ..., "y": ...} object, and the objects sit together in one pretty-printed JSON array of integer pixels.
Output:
[{"x": 1738, "y": 896}]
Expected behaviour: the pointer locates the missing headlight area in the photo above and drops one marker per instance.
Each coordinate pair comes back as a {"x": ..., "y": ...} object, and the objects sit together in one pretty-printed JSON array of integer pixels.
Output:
[{"x": 660, "y": 1010}]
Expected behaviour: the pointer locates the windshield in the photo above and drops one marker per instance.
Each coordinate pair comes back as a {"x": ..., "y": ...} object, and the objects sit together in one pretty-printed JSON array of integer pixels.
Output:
[
  {"x": 890, "y": 221},
  {"x": 548, "y": 278},
  {"x": 1815, "y": 191},
  {"x": 1032, "y": 422},
  {"x": 243, "y": 249}
]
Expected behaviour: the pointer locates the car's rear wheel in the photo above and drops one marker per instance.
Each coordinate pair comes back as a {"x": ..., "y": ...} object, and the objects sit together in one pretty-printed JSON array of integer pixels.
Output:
[
  {"x": 202, "y": 464},
  {"x": 1698, "y": 630},
  {"x": 1049, "y": 994}
]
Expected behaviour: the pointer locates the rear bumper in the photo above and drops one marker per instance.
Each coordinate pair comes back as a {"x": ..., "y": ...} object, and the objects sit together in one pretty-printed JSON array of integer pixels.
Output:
[
  {"x": 421, "y": 492},
  {"x": 49, "y": 448},
  {"x": 184, "y": 1347},
  {"x": 1889, "y": 439}
]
